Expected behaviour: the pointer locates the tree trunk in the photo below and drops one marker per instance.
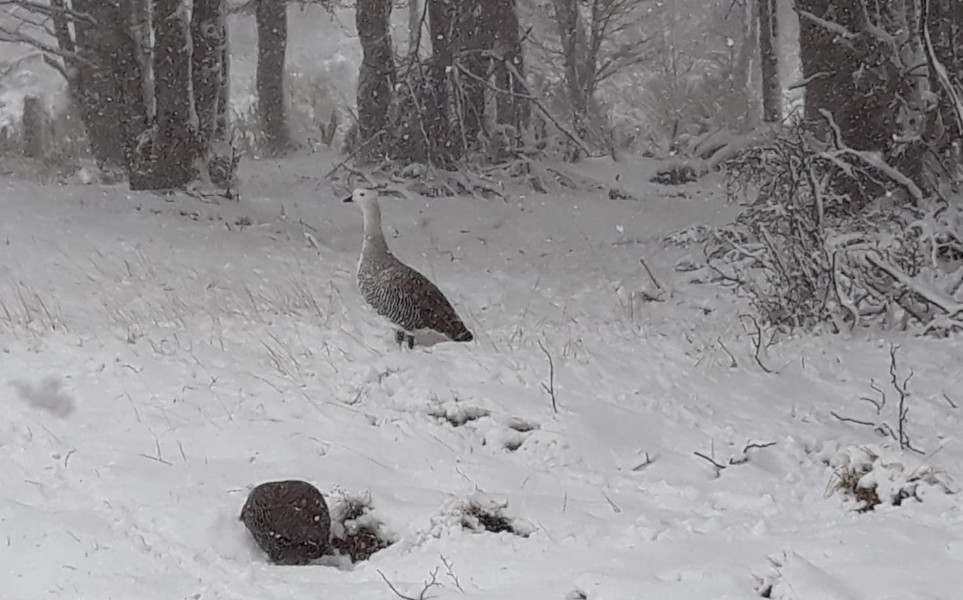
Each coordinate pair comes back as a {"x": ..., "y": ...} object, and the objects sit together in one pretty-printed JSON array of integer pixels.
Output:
[
  {"x": 175, "y": 149},
  {"x": 743, "y": 67},
  {"x": 272, "y": 40},
  {"x": 414, "y": 27},
  {"x": 377, "y": 75},
  {"x": 209, "y": 36},
  {"x": 107, "y": 85},
  {"x": 34, "y": 122},
  {"x": 830, "y": 65},
  {"x": 512, "y": 108},
  {"x": 769, "y": 61},
  {"x": 879, "y": 92},
  {"x": 141, "y": 30},
  {"x": 473, "y": 35},
  {"x": 578, "y": 78},
  {"x": 440, "y": 25},
  {"x": 222, "y": 128}
]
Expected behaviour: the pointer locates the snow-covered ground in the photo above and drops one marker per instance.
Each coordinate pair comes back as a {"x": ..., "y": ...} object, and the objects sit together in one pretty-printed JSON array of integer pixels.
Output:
[{"x": 160, "y": 355}]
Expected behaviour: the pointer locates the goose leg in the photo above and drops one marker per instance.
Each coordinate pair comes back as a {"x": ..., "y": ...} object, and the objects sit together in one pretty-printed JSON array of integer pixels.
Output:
[
  {"x": 411, "y": 341},
  {"x": 399, "y": 338}
]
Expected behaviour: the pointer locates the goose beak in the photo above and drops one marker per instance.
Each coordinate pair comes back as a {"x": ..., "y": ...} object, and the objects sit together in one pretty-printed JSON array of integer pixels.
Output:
[{"x": 348, "y": 199}]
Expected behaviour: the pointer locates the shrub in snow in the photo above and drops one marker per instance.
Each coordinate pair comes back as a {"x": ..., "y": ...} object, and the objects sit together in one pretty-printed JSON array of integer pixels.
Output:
[
  {"x": 355, "y": 531},
  {"x": 289, "y": 520},
  {"x": 480, "y": 513},
  {"x": 834, "y": 238},
  {"x": 874, "y": 477}
]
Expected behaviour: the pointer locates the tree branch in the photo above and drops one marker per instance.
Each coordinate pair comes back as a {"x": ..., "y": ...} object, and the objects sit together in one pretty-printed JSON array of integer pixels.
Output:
[
  {"x": 52, "y": 10},
  {"x": 8, "y": 35}
]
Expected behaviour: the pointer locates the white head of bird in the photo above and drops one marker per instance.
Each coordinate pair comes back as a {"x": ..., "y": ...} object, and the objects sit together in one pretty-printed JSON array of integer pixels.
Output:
[{"x": 366, "y": 199}]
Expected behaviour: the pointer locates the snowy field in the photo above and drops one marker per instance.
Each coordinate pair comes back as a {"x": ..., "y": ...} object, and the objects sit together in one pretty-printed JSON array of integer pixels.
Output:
[{"x": 160, "y": 355}]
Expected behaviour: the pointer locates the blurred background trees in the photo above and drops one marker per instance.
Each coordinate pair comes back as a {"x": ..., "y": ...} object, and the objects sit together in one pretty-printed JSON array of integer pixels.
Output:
[{"x": 450, "y": 83}]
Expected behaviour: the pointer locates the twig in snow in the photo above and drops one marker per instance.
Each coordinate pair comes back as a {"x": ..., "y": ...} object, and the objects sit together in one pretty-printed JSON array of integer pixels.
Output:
[
  {"x": 433, "y": 582},
  {"x": 133, "y": 407},
  {"x": 159, "y": 457},
  {"x": 719, "y": 467},
  {"x": 744, "y": 458},
  {"x": 312, "y": 241},
  {"x": 756, "y": 338},
  {"x": 735, "y": 363},
  {"x": 615, "y": 507},
  {"x": 851, "y": 420},
  {"x": 950, "y": 401},
  {"x": 646, "y": 461},
  {"x": 877, "y": 404},
  {"x": 737, "y": 460},
  {"x": 156, "y": 459},
  {"x": 550, "y": 388},
  {"x": 655, "y": 282},
  {"x": 451, "y": 574},
  {"x": 902, "y": 390}
]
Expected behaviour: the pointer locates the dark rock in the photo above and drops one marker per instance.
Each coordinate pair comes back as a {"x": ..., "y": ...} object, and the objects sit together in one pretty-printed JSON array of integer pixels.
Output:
[{"x": 289, "y": 520}]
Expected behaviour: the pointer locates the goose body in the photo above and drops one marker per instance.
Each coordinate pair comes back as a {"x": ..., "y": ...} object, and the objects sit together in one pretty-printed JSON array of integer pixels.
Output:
[{"x": 397, "y": 292}]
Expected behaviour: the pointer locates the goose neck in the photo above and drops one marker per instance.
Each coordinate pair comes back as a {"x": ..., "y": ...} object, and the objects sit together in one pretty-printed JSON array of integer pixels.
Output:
[{"x": 374, "y": 239}]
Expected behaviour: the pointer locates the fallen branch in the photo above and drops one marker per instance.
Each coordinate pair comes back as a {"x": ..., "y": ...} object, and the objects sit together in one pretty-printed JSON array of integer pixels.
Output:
[
  {"x": 531, "y": 98},
  {"x": 550, "y": 388},
  {"x": 947, "y": 305},
  {"x": 872, "y": 159},
  {"x": 431, "y": 583}
]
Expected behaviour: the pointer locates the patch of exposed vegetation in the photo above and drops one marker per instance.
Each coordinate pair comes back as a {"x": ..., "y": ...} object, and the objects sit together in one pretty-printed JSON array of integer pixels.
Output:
[{"x": 355, "y": 533}]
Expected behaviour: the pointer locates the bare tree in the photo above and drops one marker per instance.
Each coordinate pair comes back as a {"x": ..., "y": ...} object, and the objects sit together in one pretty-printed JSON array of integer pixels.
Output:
[
  {"x": 440, "y": 109},
  {"x": 377, "y": 75},
  {"x": 599, "y": 38},
  {"x": 769, "y": 61},
  {"x": 272, "y": 39}
]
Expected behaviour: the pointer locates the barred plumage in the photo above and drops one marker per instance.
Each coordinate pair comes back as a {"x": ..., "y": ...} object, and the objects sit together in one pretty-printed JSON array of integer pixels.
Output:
[
  {"x": 396, "y": 291},
  {"x": 289, "y": 520}
]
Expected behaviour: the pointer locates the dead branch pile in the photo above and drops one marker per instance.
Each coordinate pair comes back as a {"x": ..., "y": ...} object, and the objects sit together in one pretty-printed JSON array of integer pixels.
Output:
[{"x": 836, "y": 238}]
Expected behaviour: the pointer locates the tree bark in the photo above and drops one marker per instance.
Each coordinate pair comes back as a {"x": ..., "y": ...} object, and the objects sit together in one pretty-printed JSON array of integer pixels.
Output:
[
  {"x": 441, "y": 21},
  {"x": 208, "y": 71},
  {"x": 107, "y": 85},
  {"x": 769, "y": 61},
  {"x": 141, "y": 30},
  {"x": 512, "y": 108},
  {"x": 377, "y": 75},
  {"x": 175, "y": 147},
  {"x": 579, "y": 75},
  {"x": 414, "y": 27},
  {"x": 473, "y": 37},
  {"x": 272, "y": 39},
  {"x": 830, "y": 63}
]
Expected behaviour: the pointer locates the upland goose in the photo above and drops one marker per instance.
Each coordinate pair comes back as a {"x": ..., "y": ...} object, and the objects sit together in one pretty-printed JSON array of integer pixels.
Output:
[{"x": 394, "y": 290}]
